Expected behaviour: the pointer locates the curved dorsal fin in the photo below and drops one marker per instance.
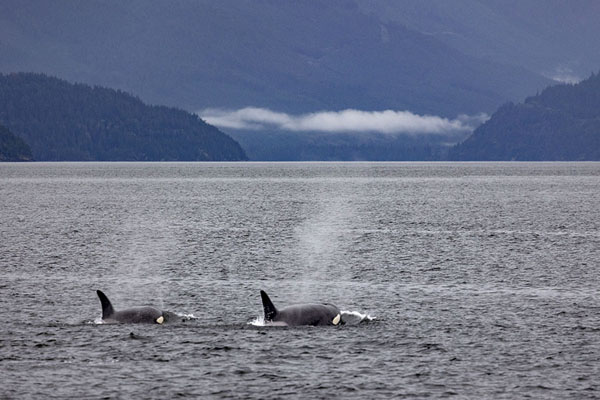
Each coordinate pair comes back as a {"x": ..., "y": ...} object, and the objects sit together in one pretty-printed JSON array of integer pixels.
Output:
[
  {"x": 107, "y": 308},
  {"x": 270, "y": 310}
]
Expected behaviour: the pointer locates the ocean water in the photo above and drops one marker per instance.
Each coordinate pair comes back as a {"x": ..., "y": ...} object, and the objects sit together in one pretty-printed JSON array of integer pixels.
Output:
[{"x": 464, "y": 280}]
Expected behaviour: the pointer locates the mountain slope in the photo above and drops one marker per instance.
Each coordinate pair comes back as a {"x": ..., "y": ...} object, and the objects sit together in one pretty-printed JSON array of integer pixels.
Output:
[
  {"x": 319, "y": 146},
  {"x": 298, "y": 56},
  {"x": 561, "y": 123},
  {"x": 13, "y": 148},
  {"x": 555, "y": 38},
  {"x": 64, "y": 121}
]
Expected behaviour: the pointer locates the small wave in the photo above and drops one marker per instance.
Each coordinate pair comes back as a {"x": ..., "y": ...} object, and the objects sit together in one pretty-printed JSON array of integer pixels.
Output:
[
  {"x": 355, "y": 317},
  {"x": 186, "y": 316},
  {"x": 171, "y": 317},
  {"x": 258, "y": 321}
]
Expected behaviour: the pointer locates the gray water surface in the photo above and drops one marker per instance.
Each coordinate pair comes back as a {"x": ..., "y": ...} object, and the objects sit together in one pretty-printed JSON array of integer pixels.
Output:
[{"x": 482, "y": 279}]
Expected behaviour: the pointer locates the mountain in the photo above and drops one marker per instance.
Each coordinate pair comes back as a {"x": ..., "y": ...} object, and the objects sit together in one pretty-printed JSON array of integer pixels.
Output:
[
  {"x": 431, "y": 58},
  {"x": 319, "y": 146},
  {"x": 292, "y": 56},
  {"x": 553, "y": 38},
  {"x": 561, "y": 123},
  {"x": 64, "y": 121},
  {"x": 13, "y": 148}
]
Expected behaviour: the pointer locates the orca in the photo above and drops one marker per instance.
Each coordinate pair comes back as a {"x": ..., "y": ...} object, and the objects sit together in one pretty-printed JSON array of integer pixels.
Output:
[
  {"x": 301, "y": 314},
  {"x": 135, "y": 315}
]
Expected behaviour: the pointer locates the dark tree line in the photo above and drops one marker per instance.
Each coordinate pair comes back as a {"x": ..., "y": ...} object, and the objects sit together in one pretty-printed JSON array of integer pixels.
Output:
[
  {"x": 64, "y": 121},
  {"x": 368, "y": 146},
  {"x": 561, "y": 123},
  {"x": 13, "y": 148}
]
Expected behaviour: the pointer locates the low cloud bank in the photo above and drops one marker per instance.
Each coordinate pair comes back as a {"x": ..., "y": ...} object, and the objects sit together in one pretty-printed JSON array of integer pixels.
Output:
[{"x": 388, "y": 121}]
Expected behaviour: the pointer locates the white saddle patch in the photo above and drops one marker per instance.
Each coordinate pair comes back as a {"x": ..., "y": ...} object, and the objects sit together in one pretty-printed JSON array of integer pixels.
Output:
[{"x": 160, "y": 320}]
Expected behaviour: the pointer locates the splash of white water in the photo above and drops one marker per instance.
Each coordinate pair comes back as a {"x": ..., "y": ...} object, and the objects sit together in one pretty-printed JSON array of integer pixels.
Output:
[
  {"x": 361, "y": 317},
  {"x": 258, "y": 321}
]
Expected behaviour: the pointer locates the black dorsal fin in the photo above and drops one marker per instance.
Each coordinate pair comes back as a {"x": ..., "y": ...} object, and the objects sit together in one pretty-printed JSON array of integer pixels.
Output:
[
  {"x": 270, "y": 310},
  {"x": 107, "y": 308}
]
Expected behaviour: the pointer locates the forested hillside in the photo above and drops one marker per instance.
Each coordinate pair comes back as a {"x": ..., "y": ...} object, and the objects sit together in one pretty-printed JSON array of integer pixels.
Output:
[
  {"x": 13, "y": 148},
  {"x": 64, "y": 121},
  {"x": 315, "y": 146},
  {"x": 560, "y": 123}
]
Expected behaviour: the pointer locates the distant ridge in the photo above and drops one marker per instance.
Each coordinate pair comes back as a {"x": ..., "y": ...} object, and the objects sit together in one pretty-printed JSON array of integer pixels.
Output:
[
  {"x": 291, "y": 56},
  {"x": 13, "y": 148},
  {"x": 61, "y": 121},
  {"x": 562, "y": 123}
]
